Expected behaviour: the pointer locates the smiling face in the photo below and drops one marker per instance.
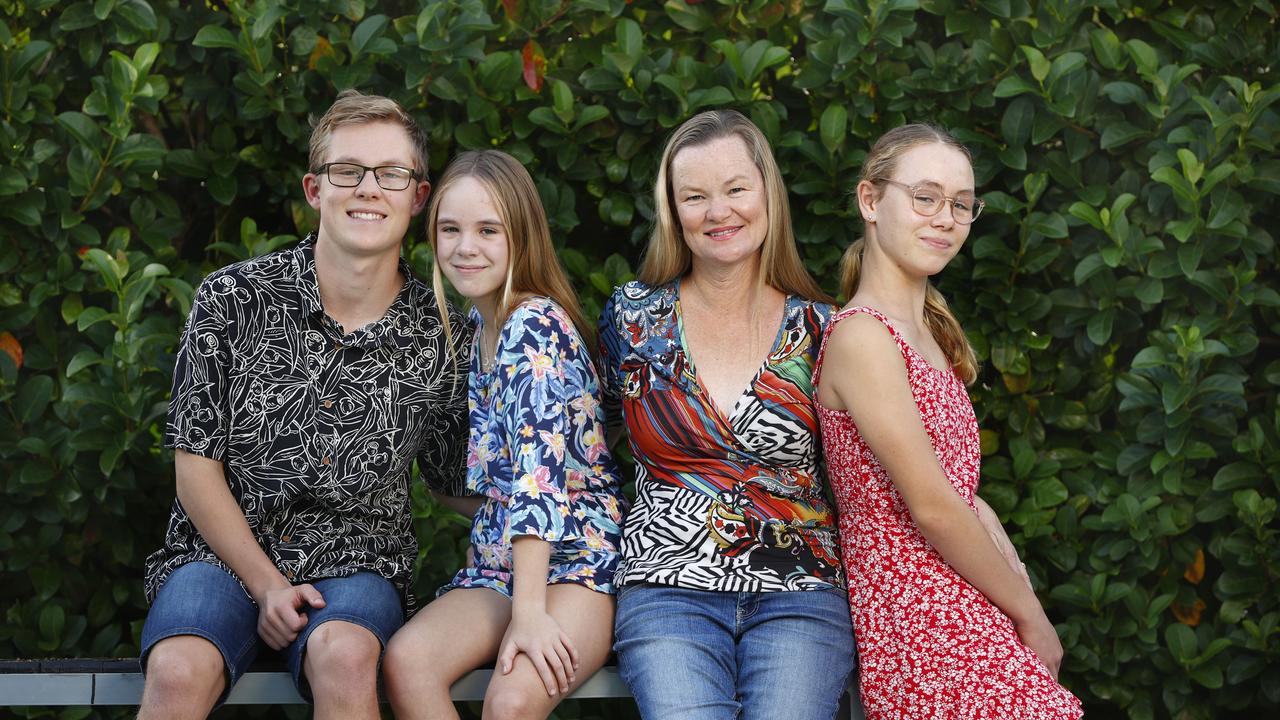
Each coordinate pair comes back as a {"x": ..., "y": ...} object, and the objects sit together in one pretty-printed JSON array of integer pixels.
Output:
[
  {"x": 720, "y": 202},
  {"x": 366, "y": 220},
  {"x": 471, "y": 243},
  {"x": 919, "y": 244}
]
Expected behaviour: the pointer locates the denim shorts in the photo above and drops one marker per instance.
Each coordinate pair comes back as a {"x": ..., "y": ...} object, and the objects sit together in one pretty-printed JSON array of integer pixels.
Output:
[
  {"x": 706, "y": 655},
  {"x": 204, "y": 600}
]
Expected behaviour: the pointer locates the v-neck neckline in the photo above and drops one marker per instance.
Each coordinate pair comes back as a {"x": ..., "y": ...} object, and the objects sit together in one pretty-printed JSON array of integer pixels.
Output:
[{"x": 755, "y": 378}]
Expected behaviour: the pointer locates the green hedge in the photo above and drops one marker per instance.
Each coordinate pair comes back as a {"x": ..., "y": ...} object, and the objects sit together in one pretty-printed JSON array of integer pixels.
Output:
[{"x": 1115, "y": 291}]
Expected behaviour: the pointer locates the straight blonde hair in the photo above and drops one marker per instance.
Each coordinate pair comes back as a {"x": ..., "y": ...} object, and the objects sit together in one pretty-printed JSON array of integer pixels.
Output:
[
  {"x": 667, "y": 257},
  {"x": 532, "y": 267},
  {"x": 879, "y": 166}
]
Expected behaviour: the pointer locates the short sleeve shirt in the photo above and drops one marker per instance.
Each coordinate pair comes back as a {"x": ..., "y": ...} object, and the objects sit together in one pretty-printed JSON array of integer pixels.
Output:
[
  {"x": 317, "y": 429},
  {"x": 538, "y": 454},
  {"x": 729, "y": 503}
]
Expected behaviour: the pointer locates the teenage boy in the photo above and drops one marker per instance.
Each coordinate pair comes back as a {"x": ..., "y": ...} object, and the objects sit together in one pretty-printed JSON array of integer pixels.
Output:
[{"x": 307, "y": 381}]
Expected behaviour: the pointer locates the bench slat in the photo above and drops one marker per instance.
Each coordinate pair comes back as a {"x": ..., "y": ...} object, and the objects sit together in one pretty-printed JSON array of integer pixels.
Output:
[{"x": 46, "y": 689}]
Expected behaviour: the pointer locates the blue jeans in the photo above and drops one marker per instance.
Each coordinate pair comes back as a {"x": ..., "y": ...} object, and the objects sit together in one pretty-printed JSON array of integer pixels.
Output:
[
  {"x": 206, "y": 601},
  {"x": 704, "y": 655}
]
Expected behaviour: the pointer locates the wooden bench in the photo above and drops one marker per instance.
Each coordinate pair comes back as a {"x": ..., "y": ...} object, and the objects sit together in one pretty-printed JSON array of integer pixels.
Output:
[{"x": 119, "y": 682}]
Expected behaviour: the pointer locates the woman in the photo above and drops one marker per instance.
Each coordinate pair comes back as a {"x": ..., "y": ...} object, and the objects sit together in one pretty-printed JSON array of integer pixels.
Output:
[
  {"x": 537, "y": 592},
  {"x": 732, "y": 600},
  {"x": 946, "y": 626}
]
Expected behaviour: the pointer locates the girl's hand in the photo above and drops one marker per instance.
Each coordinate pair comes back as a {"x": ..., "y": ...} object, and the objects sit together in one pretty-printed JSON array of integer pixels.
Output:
[
  {"x": 539, "y": 637},
  {"x": 1039, "y": 635}
]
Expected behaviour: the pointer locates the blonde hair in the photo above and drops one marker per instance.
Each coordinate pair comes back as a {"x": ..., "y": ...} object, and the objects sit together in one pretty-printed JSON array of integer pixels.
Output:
[
  {"x": 879, "y": 166},
  {"x": 667, "y": 257},
  {"x": 532, "y": 267},
  {"x": 353, "y": 107}
]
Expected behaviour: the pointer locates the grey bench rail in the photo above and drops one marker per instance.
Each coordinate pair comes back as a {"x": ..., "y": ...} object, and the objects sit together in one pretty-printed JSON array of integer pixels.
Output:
[{"x": 119, "y": 682}]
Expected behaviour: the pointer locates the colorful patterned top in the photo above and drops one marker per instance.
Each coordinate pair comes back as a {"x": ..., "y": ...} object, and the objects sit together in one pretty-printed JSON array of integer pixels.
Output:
[
  {"x": 730, "y": 504},
  {"x": 538, "y": 454},
  {"x": 930, "y": 645}
]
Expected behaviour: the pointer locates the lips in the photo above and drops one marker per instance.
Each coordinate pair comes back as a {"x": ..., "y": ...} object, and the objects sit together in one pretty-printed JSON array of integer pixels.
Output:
[
  {"x": 938, "y": 243},
  {"x": 722, "y": 232},
  {"x": 366, "y": 215}
]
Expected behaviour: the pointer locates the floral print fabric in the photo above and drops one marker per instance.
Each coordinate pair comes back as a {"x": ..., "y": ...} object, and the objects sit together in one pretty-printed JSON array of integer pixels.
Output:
[
  {"x": 728, "y": 503},
  {"x": 930, "y": 645},
  {"x": 537, "y": 452}
]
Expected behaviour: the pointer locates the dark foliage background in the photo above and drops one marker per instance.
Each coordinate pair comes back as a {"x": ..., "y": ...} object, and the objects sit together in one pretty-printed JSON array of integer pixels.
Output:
[{"x": 1120, "y": 290}]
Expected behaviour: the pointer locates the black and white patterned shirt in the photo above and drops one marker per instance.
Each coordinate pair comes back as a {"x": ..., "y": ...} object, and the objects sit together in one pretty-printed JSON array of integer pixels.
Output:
[{"x": 316, "y": 429}]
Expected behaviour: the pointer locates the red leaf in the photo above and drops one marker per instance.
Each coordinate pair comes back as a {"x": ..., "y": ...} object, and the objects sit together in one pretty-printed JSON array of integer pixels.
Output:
[
  {"x": 535, "y": 66},
  {"x": 10, "y": 345},
  {"x": 512, "y": 7},
  {"x": 84, "y": 250}
]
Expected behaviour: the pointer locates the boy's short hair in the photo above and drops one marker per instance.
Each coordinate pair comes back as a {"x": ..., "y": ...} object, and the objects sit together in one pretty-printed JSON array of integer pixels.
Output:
[{"x": 353, "y": 107}]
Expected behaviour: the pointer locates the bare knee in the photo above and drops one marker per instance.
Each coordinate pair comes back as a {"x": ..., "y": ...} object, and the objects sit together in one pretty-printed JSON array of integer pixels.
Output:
[
  {"x": 341, "y": 654},
  {"x": 414, "y": 669},
  {"x": 515, "y": 702},
  {"x": 184, "y": 671}
]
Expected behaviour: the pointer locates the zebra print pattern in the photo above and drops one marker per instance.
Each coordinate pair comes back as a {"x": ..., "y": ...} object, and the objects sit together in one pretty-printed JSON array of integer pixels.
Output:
[{"x": 730, "y": 504}]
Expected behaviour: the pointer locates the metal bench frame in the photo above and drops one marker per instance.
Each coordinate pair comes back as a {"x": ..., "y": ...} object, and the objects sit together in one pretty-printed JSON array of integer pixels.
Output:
[{"x": 42, "y": 683}]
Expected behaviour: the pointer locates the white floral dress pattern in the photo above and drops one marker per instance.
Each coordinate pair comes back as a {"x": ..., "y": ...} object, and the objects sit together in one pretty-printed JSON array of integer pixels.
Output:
[
  {"x": 930, "y": 644},
  {"x": 537, "y": 452}
]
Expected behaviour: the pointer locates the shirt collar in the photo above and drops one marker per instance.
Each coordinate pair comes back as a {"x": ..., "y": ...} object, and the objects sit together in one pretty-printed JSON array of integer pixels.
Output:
[{"x": 395, "y": 329}]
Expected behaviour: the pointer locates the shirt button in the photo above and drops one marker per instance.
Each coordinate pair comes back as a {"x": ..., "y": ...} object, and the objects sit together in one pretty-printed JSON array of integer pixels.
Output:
[
  {"x": 286, "y": 538},
  {"x": 325, "y": 460},
  {"x": 289, "y": 574},
  {"x": 328, "y": 403}
]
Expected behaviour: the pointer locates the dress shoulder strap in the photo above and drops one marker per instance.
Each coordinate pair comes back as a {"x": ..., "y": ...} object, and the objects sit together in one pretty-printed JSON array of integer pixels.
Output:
[{"x": 848, "y": 313}]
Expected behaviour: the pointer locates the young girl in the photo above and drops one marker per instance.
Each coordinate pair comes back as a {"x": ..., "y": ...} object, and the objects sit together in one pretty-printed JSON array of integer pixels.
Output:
[
  {"x": 537, "y": 592},
  {"x": 946, "y": 626}
]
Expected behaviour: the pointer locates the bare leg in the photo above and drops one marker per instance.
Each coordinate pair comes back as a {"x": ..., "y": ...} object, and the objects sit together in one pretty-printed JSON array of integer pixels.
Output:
[
  {"x": 586, "y": 616},
  {"x": 341, "y": 666},
  {"x": 185, "y": 677},
  {"x": 452, "y": 636}
]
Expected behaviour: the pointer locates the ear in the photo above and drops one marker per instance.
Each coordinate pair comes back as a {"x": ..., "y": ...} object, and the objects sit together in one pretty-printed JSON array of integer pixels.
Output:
[
  {"x": 420, "y": 195},
  {"x": 311, "y": 189},
  {"x": 867, "y": 200}
]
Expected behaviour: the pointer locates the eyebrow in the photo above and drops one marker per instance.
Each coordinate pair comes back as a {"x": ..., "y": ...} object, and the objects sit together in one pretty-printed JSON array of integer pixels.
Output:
[
  {"x": 487, "y": 221},
  {"x": 356, "y": 161},
  {"x": 735, "y": 179},
  {"x": 935, "y": 183}
]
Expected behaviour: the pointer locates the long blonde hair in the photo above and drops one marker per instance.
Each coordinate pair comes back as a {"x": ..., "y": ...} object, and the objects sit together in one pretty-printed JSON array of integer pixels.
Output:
[
  {"x": 532, "y": 267},
  {"x": 877, "y": 168},
  {"x": 667, "y": 257}
]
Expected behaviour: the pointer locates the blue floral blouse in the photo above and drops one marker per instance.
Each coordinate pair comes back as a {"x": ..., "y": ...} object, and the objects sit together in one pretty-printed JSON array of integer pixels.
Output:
[{"x": 538, "y": 454}]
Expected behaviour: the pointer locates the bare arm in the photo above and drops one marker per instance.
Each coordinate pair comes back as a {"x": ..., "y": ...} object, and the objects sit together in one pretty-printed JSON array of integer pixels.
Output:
[
  {"x": 866, "y": 374},
  {"x": 202, "y": 490},
  {"x": 532, "y": 630},
  {"x": 991, "y": 523},
  {"x": 464, "y": 505}
]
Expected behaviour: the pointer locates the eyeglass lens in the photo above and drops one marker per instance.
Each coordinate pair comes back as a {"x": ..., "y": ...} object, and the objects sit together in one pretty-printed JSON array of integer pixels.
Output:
[
  {"x": 927, "y": 201},
  {"x": 388, "y": 177}
]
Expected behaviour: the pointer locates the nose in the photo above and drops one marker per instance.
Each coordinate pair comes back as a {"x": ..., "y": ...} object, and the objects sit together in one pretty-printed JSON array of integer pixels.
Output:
[
  {"x": 717, "y": 209},
  {"x": 368, "y": 186},
  {"x": 466, "y": 246},
  {"x": 947, "y": 217}
]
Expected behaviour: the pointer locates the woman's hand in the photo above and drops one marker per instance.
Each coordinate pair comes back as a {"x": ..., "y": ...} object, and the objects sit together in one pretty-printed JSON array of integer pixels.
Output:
[
  {"x": 539, "y": 637},
  {"x": 1039, "y": 635}
]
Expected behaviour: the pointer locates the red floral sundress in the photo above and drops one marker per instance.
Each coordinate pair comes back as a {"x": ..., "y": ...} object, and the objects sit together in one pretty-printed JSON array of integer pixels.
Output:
[{"x": 930, "y": 645}]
